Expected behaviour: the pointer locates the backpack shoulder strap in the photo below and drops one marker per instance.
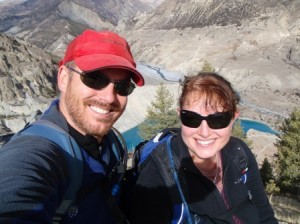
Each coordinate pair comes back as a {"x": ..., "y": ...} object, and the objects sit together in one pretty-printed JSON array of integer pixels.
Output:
[
  {"x": 72, "y": 152},
  {"x": 161, "y": 159},
  {"x": 168, "y": 164},
  {"x": 144, "y": 149},
  {"x": 119, "y": 148}
]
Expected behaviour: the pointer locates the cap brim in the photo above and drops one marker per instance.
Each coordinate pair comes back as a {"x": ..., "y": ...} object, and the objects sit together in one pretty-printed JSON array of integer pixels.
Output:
[{"x": 101, "y": 61}]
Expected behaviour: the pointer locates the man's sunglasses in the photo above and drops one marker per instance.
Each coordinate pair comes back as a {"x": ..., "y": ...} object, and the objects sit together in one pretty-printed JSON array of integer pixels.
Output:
[
  {"x": 214, "y": 121},
  {"x": 97, "y": 80}
]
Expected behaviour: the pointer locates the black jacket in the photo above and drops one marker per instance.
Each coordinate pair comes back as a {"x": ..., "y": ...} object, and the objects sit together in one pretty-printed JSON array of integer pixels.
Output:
[
  {"x": 34, "y": 177},
  {"x": 151, "y": 202}
]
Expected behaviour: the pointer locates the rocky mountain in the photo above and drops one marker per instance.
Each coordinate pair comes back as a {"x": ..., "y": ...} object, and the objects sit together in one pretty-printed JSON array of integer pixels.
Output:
[
  {"x": 181, "y": 14},
  {"x": 256, "y": 46},
  {"x": 49, "y": 24},
  {"x": 27, "y": 71},
  {"x": 253, "y": 44},
  {"x": 27, "y": 80}
]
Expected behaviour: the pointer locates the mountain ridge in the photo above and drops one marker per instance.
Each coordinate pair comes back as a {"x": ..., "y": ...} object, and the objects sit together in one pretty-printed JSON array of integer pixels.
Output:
[{"x": 255, "y": 46}]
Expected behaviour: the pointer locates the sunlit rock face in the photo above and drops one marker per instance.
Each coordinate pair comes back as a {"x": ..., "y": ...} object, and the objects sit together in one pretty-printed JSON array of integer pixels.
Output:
[{"x": 27, "y": 80}]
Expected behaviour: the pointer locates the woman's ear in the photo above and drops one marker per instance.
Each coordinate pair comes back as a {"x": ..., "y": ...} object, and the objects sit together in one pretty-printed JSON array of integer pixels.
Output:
[
  {"x": 178, "y": 111},
  {"x": 236, "y": 115},
  {"x": 62, "y": 78}
]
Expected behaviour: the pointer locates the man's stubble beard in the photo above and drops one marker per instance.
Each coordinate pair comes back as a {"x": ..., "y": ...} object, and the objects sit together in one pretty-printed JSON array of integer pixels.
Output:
[{"x": 75, "y": 108}]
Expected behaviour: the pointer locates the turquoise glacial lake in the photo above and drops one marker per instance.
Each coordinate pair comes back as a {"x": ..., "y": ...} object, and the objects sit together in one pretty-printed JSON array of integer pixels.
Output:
[{"x": 133, "y": 138}]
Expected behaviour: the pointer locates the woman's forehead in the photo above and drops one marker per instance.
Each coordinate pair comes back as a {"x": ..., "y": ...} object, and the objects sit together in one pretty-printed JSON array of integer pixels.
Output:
[
  {"x": 202, "y": 97},
  {"x": 203, "y": 101}
]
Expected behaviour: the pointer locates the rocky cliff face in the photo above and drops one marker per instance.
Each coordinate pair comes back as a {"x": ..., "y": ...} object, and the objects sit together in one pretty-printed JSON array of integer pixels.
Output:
[
  {"x": 255, "y": 45},
  {"x": 184, "y": 13},
  {"x": 47, "y": 24},
  {"x": 27, "y": 80}
]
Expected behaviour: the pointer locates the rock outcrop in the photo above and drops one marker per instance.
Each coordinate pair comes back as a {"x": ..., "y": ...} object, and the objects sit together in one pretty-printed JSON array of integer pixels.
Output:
[{"x": 27, "y": 80}]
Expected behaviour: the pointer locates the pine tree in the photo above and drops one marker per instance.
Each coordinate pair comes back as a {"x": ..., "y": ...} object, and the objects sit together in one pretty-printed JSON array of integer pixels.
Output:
[
  {"x": 160, "y": 115},
  {"x": 207, "y": 67},
  {"x": 288, "y": 157},
  {"x": 272, "y": 188},
  {"x": 266, "y": 172}
]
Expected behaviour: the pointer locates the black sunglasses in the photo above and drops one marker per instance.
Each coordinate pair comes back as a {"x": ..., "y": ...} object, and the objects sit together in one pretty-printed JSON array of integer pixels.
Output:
[
  {"x": 215, "y": 121},
  {"x": 97, "y": 80}
]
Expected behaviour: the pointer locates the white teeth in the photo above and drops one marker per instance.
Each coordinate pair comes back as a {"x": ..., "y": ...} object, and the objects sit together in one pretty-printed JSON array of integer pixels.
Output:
[
  {"x": 205, "y": 142},
  {"x": 99, "y": 110}
]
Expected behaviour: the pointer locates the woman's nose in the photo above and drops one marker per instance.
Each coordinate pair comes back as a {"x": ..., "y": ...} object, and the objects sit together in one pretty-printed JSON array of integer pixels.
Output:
[{"x": 204, "y": 129}]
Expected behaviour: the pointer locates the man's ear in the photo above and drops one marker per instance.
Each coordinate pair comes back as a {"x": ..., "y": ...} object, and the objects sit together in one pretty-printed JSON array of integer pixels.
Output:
[{"x": 62, "y": 78}]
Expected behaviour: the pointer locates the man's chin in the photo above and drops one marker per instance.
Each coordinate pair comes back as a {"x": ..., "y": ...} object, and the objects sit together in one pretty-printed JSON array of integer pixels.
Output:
[{"x": 102, "y": 129}]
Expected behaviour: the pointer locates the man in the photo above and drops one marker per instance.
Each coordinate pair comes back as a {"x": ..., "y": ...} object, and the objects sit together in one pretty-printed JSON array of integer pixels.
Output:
[{"x": 94, "y": 79}]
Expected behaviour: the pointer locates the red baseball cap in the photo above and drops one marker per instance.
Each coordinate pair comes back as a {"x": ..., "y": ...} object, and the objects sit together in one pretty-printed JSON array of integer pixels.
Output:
[{"x": 94, "y": 50}]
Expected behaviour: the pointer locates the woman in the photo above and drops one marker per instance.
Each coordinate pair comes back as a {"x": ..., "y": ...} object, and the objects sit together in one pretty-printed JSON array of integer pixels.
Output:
[{"x": 218, "y": 175}]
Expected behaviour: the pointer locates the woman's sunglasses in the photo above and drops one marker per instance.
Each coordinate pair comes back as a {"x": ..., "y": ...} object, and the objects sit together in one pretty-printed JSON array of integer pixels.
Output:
[
  {"x": 214, "y": 121},
  {"x": 97, "y": 80}
]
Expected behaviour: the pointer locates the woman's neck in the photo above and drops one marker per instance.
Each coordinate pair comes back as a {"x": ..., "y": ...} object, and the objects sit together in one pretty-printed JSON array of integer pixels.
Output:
[
  {"x": 211, "y": 168},
  {"x": 206, "y": 165}
]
